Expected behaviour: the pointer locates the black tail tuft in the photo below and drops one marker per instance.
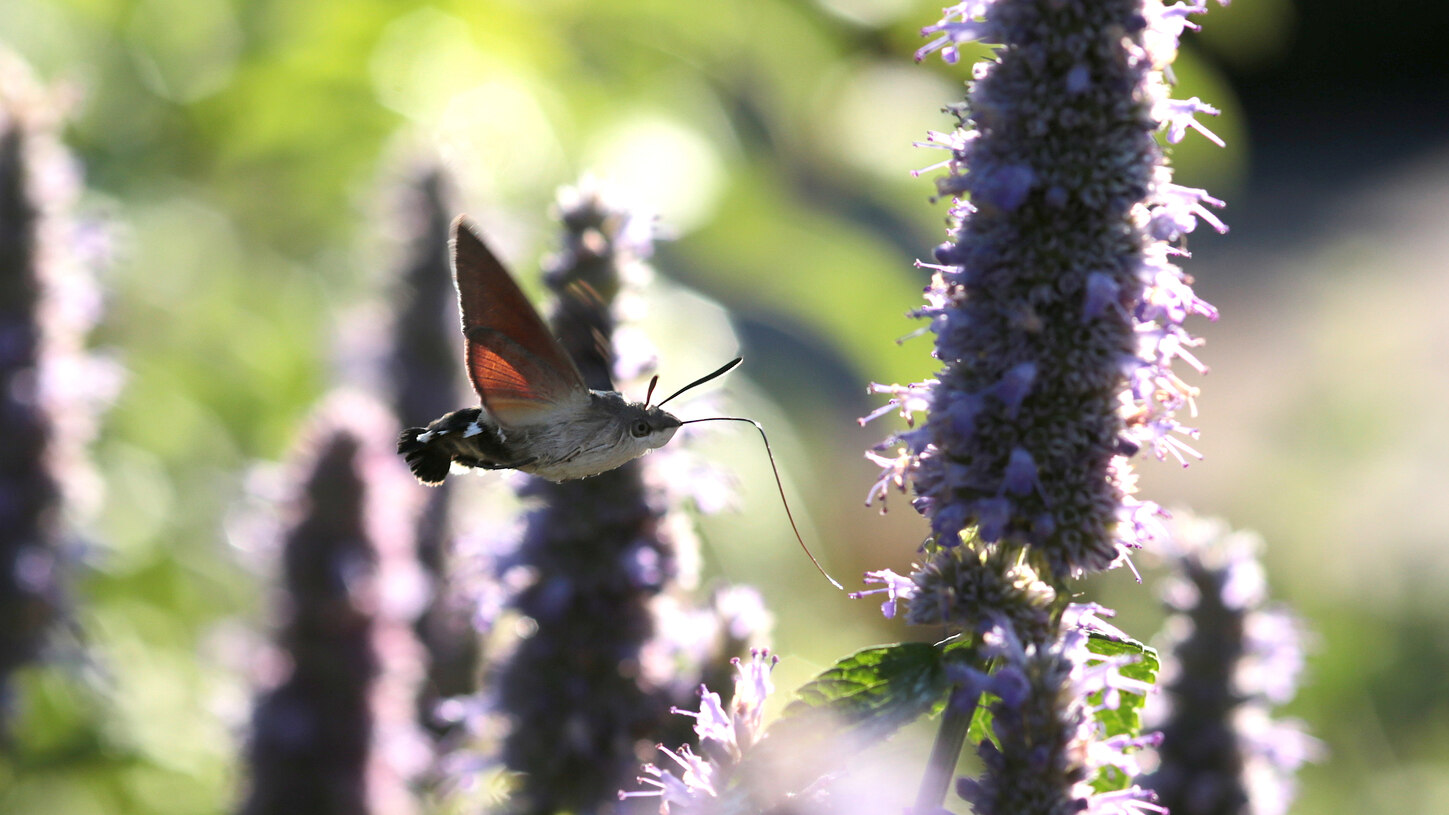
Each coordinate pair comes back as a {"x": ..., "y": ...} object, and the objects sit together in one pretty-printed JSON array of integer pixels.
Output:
[{"x": 429, "y": 464}]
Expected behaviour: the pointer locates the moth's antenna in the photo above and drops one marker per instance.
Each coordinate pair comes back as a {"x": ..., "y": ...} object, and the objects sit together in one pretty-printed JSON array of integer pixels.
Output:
[
  {"x": 778, "y": 483},
  {"x": 654, "y": 380},
  {"x": 726, "y": 368}
]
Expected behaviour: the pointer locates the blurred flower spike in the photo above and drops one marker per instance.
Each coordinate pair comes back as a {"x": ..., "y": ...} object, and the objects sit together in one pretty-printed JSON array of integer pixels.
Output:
[
  {"x": 608, "y": 563},
  {"x": 336, "y": 733},
  {"x": 51, "y": 387},
  {"x": 1232, "y": 657},
  {"x": 1057, "y": 308}
]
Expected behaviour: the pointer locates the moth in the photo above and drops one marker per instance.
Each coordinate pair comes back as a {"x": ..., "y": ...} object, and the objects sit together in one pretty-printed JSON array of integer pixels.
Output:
[{"x": 537, "y": 415}]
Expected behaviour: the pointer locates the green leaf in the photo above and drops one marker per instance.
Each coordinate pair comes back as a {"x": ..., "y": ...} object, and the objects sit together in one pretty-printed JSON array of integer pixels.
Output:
[
  {"x": 852, "y": 705},
  {"x": 1126, "y": 719},
  {"x": 980, "y": 729},
  {"x": 883, "y": 687}
]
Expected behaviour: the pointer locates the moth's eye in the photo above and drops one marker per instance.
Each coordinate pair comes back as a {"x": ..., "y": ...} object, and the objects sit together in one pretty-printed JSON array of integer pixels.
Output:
[{"x": 640, "y": 429}]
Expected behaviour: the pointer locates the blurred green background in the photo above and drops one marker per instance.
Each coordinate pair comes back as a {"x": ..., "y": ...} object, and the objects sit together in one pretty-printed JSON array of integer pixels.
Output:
[{"x": 248, "y": 157}]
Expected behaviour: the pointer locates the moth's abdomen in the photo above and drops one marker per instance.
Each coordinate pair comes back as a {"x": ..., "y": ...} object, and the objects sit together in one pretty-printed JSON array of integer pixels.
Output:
[{"x": 464, "y": 437}]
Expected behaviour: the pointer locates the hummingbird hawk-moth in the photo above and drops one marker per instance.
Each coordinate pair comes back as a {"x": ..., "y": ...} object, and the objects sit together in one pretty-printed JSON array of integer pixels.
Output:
[{"x": 536, "y": 413}]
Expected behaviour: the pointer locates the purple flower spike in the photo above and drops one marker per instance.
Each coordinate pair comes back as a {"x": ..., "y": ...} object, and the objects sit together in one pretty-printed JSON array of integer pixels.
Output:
[
  {"x": 1049, "y": 747},
  {"x": 614, "y": 642},
  {"x": 422, "y": 370},
  {"x": 1231, "y": 658},
  {"x": 1058, "y": 270},
  {"x": 50, "y": 388},
  {"x": 338, "y": 734},
  {"x": 1059, "y": 321}
]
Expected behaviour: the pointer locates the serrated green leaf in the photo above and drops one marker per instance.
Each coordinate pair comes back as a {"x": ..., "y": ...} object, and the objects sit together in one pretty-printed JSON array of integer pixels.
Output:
[
  {"x": 1126, "y": 719},
  {"x": 1144, "y": 669},
  {"x": 853, "y": 704},
  {"x": 885, "y": 686}
]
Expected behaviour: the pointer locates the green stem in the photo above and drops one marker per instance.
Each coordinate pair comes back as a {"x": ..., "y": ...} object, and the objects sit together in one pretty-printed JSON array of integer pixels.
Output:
[{"x": 955, "y": 722}]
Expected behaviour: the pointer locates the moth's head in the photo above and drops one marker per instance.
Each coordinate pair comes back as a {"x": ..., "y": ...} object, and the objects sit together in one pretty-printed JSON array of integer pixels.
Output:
[
  {"x": 638, "y": 427},
  {"x": 654, "y": 426},
  {"x": 651, "y": 426},
  {"x": 647, "y": 427}
]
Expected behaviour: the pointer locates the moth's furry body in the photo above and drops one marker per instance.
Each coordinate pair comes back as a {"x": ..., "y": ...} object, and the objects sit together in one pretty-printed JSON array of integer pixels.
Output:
[{"x": 586, "y": 440}]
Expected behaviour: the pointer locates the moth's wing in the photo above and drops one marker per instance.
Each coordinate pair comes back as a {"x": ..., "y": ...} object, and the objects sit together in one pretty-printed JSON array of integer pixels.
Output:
[{"x": 519, "y": 370}]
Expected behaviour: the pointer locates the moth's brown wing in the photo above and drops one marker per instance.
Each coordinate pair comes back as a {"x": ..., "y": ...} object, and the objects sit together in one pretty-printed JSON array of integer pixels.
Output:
[{"x": 519, "y": 370}]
